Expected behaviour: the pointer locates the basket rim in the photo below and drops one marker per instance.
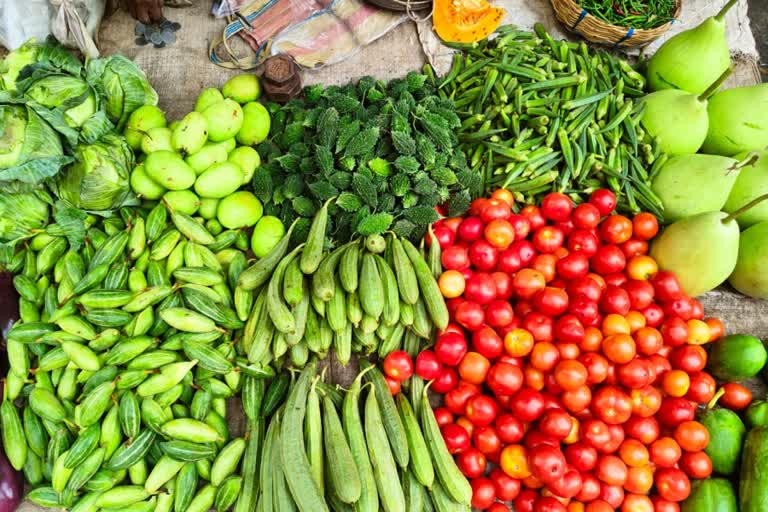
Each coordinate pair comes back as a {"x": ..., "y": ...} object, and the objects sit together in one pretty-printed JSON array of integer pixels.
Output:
[{"x": 626, "y": 28}]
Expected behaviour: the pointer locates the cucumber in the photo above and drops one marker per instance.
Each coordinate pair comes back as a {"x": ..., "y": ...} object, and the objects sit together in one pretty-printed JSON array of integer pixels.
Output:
[
  {"x": 343, "y": 475},
  {"x": 753, "y": 483},
  {"x": 371, "y": 289},
  {"x": 726, "y": 433},
  {"x": 391, "y": 418}
]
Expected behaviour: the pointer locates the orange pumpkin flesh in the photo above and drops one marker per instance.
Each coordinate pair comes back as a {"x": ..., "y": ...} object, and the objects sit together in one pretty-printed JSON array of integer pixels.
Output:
[{"x": 465, "y": 21}]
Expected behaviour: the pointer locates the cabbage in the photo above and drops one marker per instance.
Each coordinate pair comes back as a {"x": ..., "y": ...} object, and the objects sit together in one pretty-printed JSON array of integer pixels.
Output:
[
  {"x": 122, "y": 85},
  {"x": 30, "y": 148},
  {"x": 21, "y": 214},
  {"x": 14, "y": 62},
  {"x": 72, "y": 94},
  {"x": 98, "y": 180}
]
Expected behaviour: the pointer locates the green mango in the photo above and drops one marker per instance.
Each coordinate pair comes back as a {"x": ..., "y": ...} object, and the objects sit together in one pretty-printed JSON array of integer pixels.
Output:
[
  {"x": 242, "y": 88},
  {"x": 256, "y": 124},
  {"x": 224, "y": 120},
  {"x": 749, "y": 275},
  {"x": 711, "y": 495},
  {"x": 751, "y": 183},
  {"x": 726, "y": 434},
  {"x": 757, "y": 414},
  {"x": 207, "y": 97}
]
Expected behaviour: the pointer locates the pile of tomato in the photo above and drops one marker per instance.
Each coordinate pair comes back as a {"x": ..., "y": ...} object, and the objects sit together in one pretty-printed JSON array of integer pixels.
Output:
[{"x": 572, "y": 365}]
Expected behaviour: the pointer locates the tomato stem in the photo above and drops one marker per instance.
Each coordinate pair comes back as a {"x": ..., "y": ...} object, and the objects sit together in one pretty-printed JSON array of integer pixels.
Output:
[{"x": 712, "y": 403}]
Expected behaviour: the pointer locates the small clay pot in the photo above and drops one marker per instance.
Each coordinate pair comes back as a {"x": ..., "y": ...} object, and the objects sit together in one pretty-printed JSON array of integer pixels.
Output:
[{"x": 281, "y": 80}]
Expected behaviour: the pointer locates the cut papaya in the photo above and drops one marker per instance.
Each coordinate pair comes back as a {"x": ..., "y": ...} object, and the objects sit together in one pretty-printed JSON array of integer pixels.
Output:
[{"x": 465, "y": 21}]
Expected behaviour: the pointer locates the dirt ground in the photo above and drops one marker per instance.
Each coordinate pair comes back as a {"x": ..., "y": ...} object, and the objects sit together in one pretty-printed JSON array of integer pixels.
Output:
[{"x": 758, "y": 15}]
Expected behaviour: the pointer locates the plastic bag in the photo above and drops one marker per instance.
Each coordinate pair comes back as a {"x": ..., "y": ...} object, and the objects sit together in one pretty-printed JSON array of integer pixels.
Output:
[{"x": 23, "y": 19}]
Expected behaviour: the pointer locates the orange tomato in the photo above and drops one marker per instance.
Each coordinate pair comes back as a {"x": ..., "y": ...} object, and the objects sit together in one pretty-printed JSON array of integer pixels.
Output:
[
  {"x": 641, "y": 267},
  {"x": 518, "y": 343},
  {"x": 533, "y": 377},
  {"x": 451, "y": 283},
  {"x": 619, "y": 348},
  {"x": 649, "y": 340},
  {"x": 614, "y": 323},
  {"x": 639, "y": 479},
  {"x": 675, "y": 383},
  {"x": 545, "y": 263},
  {"x": 636, "y": 321},
  {"x": 576, "y": 506},
  {"x": 464, "y": 422},
  {"x": 634, "y": 453},
  {"x": 499, "y": 233},
  {"x": 698, "y": 332},
  {"x": 505, "y": 195},
  {"x": 692, "y": 436},
  {"x": 473, "y": 367},
  {"x": 637, "y": 503},
  {"x": 716, "y": 328},
  {"x": 544, "y": 356},
  {"x": 514, "y": 461},
  {"x": 592, "y": 341}
]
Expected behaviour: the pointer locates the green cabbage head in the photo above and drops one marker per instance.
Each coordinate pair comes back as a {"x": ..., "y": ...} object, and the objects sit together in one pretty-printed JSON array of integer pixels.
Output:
[
  {"x": 99, "y": 178},
  {"x": 20, "y": 214},
  {"x": 14, "y": 62},
  {"x": 70, "y": 93}
]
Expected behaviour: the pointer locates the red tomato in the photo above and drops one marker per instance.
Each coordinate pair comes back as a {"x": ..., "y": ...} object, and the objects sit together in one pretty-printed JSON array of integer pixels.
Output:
[
  {"x": 503, "y": 285},
  {"x": 527, "y": 404},
  {"x": 428, "y": 366},
  {"x": 615, "y": 300},
  {"x": 446, "y": 381},
  {"x": 455, "y": 257},
  {"x": 645, "y": 430},
  {"x": 637, "y": 503},
  {"x": 471, "y": 462},
  {"x": 548, "y": 238},
  {"x": 600, "y": 506},
  {"x": 583, "y": 241},
  {"x": 662, "y": 505},
  {"x": 547, "y": 462},
  {"x": 480, "y": 288},
  {"x": 577, "y": 400},
  {"x": 645, "y": 226},
  {"x": 499, "y": 313},
  {"x": 701, "y": 388},
  {"x": 604, "y": 200},
  {"x": 619, "y": 348},
  {"x": 456, "y": 399},
  {"x": 674, "y": 411},
  {"x": 595, "y": 433},
  {"x": 556, "y": 423},
  {"x": 504, "y": 378},
  {"x": 483, "y": 255},
  {"x": 521, "y": 225},
  {"x": 735, "y": 396},
  {"x": 507, "y": 488},
  {"x": 551, "y": 301},
  {"x": 392, "y": 384},
  {"x": 445, "y": 236},
  {"x": 443, "y": 416},
  {"x": 608, "y": 260},
  {"x": 613, "y": 494},
  {"x": 568, "y": 329},
  {"x": 450, "y": 348},
  {"x": 481, "y": 410},
  {"x": 590, "y": 488},
  {"x": 498, "y": 507},
  {"x": 696, "y": 464},
  {"x": 689, "y": 358},
  {"x": 470, "y": 315},
  {"x": 596, "y": 365},
  {"x": 581, "y": 456},
  {"x": 570, "y": 375},
  {"x": 547, "y": 265},
  {"x": 556, "y": 206},
  {"x": 665, "y": 452},
  {"x": 474, "y": 367},
  {"x": 692, "y": 436},
  {"x": 636, "y": 374},
  {"x": 616, "y": 229},
  {"x": 486, "y": 342},
  {"x": 680, "y": 307},
  {"x": 645, "y": 401},
  {"x": 525, "y": 250},
  {"x": 486, "y": 440},
  {"x": 648, "y": 340},
  {"x": 483, "y": 493},
  {"x": 640, "y": 294},
  {"x": 585, "y": 310},
  {"x": 667, "y": 286},
  {"x": 548, "y": 504},
  {"x": 612, "y": 405},
  {"x": 470, "y": 229},
  {"x": 495, "y": 209},
  {"x": 534, "y": 216},
  {"x": 573, "y": 266},
  {"x": 527, "y": 282},
  {"x": 398, "y": 365},
  {"x": 509, "y": 261},
  {"x": 611, "y": 470},
  {"x": 654, "y": 315},
  {"x": 586, "y": 216},
  {"x": 456, "y": 438},
  {"x": 525, "y": 500},
  {"x": 672, "y": 484},
  {"x": 544, "y": 356},
  {"x": 509, "y": 428},
  {"x": 541, "y": 326}
]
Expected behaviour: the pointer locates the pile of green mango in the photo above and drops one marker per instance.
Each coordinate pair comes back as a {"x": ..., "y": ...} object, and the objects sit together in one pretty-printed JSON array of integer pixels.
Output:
[{"x": 199, "y": 163}]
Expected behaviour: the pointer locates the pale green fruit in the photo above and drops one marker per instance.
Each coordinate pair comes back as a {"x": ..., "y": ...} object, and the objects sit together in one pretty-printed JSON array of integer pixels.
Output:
[
  {"x": 679, "y": 120},
  {"x": 144, "y": 186},
  {"x": 184, "y": 201},
  {"x": 751, "y": 183},
  {"x": 256, "y": 124},
  {"x": 228, "y": 145},
  {"x": 749, "y": 277},
  {"x": 247, "y": 159},
  {"x": 692, "y": 59},
  {"x": 701, "y": 250},
  {"x": 266, "y": 234},
  {"x": 191, "y": 134},
  {"x": 224, "y": 119},
  {"x": 207, "y": 97},
  {"x": 141, "y": 120},
  {"x": 219, "y": 180},
  {"x": 242, "y": 88},
  {"x": 168, "y": 169},
  {"x": 172, "y": 126},
  {"x": 212, "y": 153},
  {"x": 738, "y": 120},
  {"x": 156, "y": 139},
  {"x": 208, "y": 207},
  {"x": 711, "y": 176},
  {"x": 239, "y": 210}
]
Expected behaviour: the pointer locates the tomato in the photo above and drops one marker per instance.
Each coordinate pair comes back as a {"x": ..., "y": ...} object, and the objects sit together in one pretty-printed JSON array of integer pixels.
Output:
[
  {"x": 499, "y": 313},
  {"x": 504, "y": 195},
  {"x": 604, "y": 200},
  {"x": 662, "y": 505},
  {"x": 486, "y": 440},
  {"x": 639, "y": 479},
  {"x": 716, "y": 328},
  {"x": 471, "y": 462},
  {"x": 534, "y": 216},
  {"x": 443, "y": 416},
  {"x": 595, "y": 433},
  {"x": 697, "y": 310},
  {"x": 456, "y": 399},
  {"x": 466, "y": 425},
  {"x": 548, "y": 504},
  {"x": 499, "y": 233},
  {"x": 455, "y": 257},
  {"x": 503, "y": 284},
  {"x": 665, "y": 452},
  {"x": 608, "y": 259},
  {"x": 612, "y": 405},
  {"x": 570, "y": 375},
  {"x": 672, "y": 484},
  {"x": 428, "y": 366},
  {"x": 556, "y": 207},
  {"x": 612, "y": 494},
  {"x": 470, "y": 315},
  {"x": 583, "y": 241},
  {"x": 392, "y": 384},
  {"x": 702, "y": 387},
  {"x": 667, "y": 286},
  {"x": 645, "y": 226},
  {"x": 648, "y": 340},
  {"x": 614, "y": 323},
  {"x": 474, "y": 367},
  {"x": 611, "y": 470},
  {"x": 514, "y": 461},
  {"x": 551, "y": 301},
  {"x": 527, "y": 282},
  {"x": 645, "y": 430},
  {"x": 735, "y": 396},
  {"x": 692, "y": 436},
  {"x": 590, "y": 488},
  {"x": 654, "y": 315},
  {"x": 617, "y": 279},
  {"x": 446, "y": 381},
  {"x": 636, "y": 503},
  {"x": 635, "y": 374},
  {"x": 547, "y": 265},
  {"x": 675, "y": 410},
  {"x": 544, "y": 356},
  {"x": 616, "y": 229},
  {"x": 456, "y": 438},
  {"x": 525, "y": 250},
  {"x": 470, "y": 229},
  {"x": 593, "y": 340},
  {"x": 504, "y": 378},
  {"x": 575, "y": 401},
  {"x": 451, "y": 283},
  {"x": 450, "y": 348},
  {"x": 556, "y": 423},
  {"x": 547, "y": 462},
  {"x": 619, "y": 348},
  {"x": 641, "y": 267},
  {"x": 527, "y": 404},
  {"x": 585, "y": 287},
  {"x": 398, "y": 365},
  {"x": 568, "y": 329},
  {"x": 615, "y": 300},
  {"x": 481, "y": 410},
  {"x": 483, "y": 493},
  {"x": 634, "y": 453},
  {"x": 581, "y": 456},
  {"x": 541, "y": 326},
  {"x": 646, "y": 401},
  {"x": 596, "y": 366},
  {"x": 640, "y": 293},
  {"x": 689, "y": 358},
  {"x": 696, "y": 464},
  {"x": 483, "y": 255},
  {"x": 634, "y": 247},
  {"x": 675, "y": 383},
  {"x": 548, "y": 238},
  {"x": 507, "y": 488},
  {"x": 518, "y": 343},
  {"x": 480, "y": 288},
  {"x": 521, "y": 225},
  {"x": 586, "y": 216},
  {"x": 445, "y": 236},
  {"x": 585, "y": 310},
  {"x": 599, "y": 506}
]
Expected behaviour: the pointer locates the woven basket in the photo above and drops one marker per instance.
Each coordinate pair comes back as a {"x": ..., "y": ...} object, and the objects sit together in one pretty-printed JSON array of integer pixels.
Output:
[{"x": 579, "y": 21}]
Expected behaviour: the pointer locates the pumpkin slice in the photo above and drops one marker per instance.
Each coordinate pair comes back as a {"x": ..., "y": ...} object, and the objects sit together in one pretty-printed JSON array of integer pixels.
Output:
[{"x": 465, "y": 21}]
